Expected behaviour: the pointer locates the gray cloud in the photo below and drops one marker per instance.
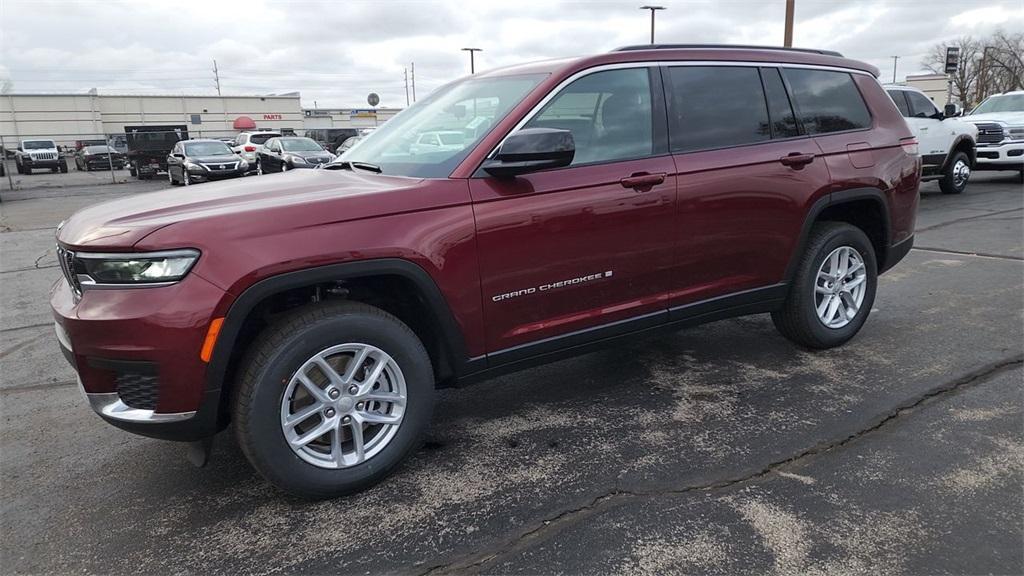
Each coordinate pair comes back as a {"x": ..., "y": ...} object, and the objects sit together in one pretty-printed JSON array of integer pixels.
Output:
[{"x": 337, "y": 52}]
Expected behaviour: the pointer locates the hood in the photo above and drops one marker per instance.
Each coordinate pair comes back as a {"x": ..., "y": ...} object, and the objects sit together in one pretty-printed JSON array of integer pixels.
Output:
[
  {"x": 1011, "y": 118},
  {"x": 222, "y": 159},
  {"x": 307, "y": 154},
  {"x": 119, "y": 224}
]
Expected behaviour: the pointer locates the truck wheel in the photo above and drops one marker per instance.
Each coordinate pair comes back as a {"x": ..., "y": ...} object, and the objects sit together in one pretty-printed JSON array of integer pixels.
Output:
[
  {"x": 131, "y": 170},
  {"x": 833, "y": 289},
  {"x": 957, "y": 173},
  {"x": 331, "y": 398}
]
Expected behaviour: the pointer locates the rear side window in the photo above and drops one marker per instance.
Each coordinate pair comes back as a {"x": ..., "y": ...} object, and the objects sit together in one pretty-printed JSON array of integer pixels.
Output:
[
  {"x": 716, "y": 107},
  {"x": 901, "y": 102},
  {"x": 827, "y": 101},
  {"x": 260, "y": 138},
  {"x": 920, "y": 105},
  {"x": 779, "y": 107}
]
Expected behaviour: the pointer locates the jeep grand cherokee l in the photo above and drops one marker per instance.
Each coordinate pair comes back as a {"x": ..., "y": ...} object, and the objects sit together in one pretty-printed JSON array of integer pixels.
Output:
[{"x": 591, "y": 199}]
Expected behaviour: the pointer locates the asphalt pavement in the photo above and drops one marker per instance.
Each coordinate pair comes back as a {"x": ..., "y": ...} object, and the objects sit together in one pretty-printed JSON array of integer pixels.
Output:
[{"x": 718, "y": 449}]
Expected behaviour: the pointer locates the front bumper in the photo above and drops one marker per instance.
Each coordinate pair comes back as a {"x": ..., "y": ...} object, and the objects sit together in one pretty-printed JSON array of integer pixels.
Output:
[
  {"x": 1003, "y": 156},
  {"x": 36, "y": 163},
  {"x": 204, "y": 175},
  {"x": 136, "y": 352}
]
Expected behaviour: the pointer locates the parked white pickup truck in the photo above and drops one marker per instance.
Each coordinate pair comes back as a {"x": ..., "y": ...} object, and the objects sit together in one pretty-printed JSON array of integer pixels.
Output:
[
  {"x": 1000, "y": 122},
  {"x": 948, "y": 144}
]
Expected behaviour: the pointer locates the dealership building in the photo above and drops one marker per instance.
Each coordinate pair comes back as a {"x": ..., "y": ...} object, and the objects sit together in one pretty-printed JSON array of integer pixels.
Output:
[{"x": 67, "y": 118}]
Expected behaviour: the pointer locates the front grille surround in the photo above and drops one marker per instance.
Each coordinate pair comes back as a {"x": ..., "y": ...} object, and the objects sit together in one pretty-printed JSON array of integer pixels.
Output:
[{"x": 66, "y": 259}]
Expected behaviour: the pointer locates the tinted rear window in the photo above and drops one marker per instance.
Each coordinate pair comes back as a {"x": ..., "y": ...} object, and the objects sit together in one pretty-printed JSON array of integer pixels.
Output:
[
  {"x": 901, "y": 101},
  {"x": 261, "y": 138},
  {"x": 779, "y": 108},
  {"x": 827, "y": 101},
  {"x": 716, "y": 107}
]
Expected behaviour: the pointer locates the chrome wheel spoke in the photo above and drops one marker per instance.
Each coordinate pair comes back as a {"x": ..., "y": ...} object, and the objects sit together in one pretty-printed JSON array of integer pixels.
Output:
[
  {"x": 384, "y": 397},
  {"x": 856, "y": 282},
  {"x": 329, "y": 371},
  {"x": 358, "y": 445},
  {"x": 324, "y": 427},
  {"x": 839, "y": 287},
  {"x": 311, "y": 387},
  {"x": 377, "y": 418},
  {"x": 355, "y": 364},
  {"x": 302, "y": 415}
]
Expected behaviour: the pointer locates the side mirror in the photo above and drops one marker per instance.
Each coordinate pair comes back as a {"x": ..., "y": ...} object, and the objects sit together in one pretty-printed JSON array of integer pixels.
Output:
[
  {"x": 531, "y": 150},
  {"x": 951, "y": 110},
  {"x": 179, "y": 156}
]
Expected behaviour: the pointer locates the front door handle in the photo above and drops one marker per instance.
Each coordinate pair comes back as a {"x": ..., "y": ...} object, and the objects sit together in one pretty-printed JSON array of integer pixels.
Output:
[
  {"x": 797, "y": 160},
  {"x": 642, "y": 180}
]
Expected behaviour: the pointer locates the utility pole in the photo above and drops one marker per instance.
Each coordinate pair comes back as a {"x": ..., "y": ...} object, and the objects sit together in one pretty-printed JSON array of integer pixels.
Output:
[
  {"x": 472, "y": 66},
  {"x": 653, "y": 9},
  {"x": 894, "y": 60},
  {"x": 983, "y": 74},
  {"x": 216, "y": 76},
  {"x": 787, "y": 40},
  {"x": 405, "y": 76},
  {"x": 412, "y": 67}
]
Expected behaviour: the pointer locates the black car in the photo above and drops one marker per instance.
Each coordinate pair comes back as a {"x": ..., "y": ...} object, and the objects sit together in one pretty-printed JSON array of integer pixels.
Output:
[
  {"x": 100, "y": 157},
  {"x": 193, "y": 161},
  {"x": 286, "y": 153}
]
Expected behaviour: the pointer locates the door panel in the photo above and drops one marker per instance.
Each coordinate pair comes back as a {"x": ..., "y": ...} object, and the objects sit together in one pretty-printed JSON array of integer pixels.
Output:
[{"x": 569, "y": 249}]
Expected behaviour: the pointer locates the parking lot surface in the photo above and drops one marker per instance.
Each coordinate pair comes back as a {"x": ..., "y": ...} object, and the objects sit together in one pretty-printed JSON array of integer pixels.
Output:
[{"x": 718, "y": 449}]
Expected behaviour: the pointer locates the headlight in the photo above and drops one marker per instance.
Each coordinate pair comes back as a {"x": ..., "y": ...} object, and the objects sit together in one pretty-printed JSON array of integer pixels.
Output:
[
  {"x": 243, "y": 164},
  {"x": 1015, "y": 132},
  {"x": 192, "y": 166},
  {"x": 298, "y": 160},
  {"x": 134, "y": 268}
]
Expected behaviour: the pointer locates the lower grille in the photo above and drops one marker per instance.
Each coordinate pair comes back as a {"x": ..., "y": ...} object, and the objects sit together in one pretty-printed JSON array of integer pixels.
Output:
[
  {"x": 989, "y": 133},
  {"x": 136, "y": 390}
]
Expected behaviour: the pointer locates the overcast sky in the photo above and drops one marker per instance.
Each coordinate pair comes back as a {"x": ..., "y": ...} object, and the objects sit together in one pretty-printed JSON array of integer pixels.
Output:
[{"x": 335, "y": 52}]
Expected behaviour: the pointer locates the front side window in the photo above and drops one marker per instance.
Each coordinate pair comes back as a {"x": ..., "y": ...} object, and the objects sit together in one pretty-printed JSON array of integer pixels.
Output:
[
  {"x": 470, "y": 106},
  {"x": 920, "y": 105},
  {"x": 609, "y": 115},
  {"x": 716, "y": 107},
  {"x": 901, "y": 102},
  {"x": 827, "y": 101}
]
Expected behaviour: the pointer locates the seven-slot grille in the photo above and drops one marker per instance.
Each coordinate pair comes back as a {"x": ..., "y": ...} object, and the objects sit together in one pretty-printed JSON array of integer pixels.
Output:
[
  {"x": 989, "y": 133},
  {"x": 44, "y": 156},
  {"x": 66, "y": 259}
]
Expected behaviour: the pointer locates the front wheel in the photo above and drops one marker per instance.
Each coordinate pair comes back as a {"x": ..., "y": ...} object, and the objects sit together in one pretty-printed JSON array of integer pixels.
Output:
[
  {"x": 833, "y": 289},
  {"x": 957, "y": 173},
  {"x": 186, "y": 180},
  {"x": 332, "y": 398}
]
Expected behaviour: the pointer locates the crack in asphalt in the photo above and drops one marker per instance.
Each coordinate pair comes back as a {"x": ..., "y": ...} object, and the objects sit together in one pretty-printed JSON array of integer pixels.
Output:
[
  {"x": 966, "y": 218},
  {"x": 37, "y": 386},
  {"x": 967, "y": 253},
  {"x": 475, "y": 563},
  {"x": 29, "y": 269}
]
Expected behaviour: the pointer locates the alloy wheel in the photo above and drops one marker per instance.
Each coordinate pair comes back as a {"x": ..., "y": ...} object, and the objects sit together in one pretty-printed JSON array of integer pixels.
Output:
[
  {"x": 259, "y": 168},
  {"x": 343, "y": 406},
  {"x": 840, "y": 286}
]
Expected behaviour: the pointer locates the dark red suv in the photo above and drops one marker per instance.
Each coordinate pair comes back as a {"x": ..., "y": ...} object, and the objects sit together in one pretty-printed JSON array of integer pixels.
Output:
[{"x": 511, "y": 218}]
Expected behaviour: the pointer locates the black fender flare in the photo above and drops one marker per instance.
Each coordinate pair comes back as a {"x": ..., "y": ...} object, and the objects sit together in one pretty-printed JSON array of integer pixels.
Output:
[
  {"x": 837, "y": 199},
  {"x": 240, "y": 309},
  {"x": 972, "y": 152}
]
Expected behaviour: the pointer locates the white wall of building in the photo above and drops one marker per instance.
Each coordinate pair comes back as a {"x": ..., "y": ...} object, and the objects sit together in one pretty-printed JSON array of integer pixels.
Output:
[
  {"x": 347, "y": 117},
  {"x": 935, "y": 86}
]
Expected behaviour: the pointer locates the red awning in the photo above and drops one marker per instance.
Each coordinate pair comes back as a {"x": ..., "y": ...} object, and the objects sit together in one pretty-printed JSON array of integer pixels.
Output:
[{"x": 244, "y": 123}]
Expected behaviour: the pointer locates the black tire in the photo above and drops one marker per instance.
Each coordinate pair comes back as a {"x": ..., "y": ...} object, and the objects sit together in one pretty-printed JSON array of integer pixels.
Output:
[
  {"x": 948, "y": 183},
  {"x": 132, "y": 172},
  {"x": 55, "y": 169},
  {"x": 798, "y": 320},
  {"x": 270, "y": 364}
]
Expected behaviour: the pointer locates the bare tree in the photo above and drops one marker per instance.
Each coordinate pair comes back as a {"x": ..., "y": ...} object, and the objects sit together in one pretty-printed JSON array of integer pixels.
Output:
[{"x": 1003, "y": 68}]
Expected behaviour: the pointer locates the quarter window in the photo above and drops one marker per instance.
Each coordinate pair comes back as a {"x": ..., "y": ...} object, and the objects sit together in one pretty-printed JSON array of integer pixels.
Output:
[
  {"x": 827, "y": 101},
  {"x": 608, "y": 113},
  {"x": 716, "y": 107},
  {"x": 920, "y": 105},
  {"x": 780, "y": 110}
]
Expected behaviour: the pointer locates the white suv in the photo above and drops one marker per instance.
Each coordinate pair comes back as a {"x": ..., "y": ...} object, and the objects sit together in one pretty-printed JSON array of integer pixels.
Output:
[
  {"x": 248, "y": 144},
  {"x": 947, "y": 143},
  {"x": 38, "y": 154},
  {"x": 1000, "y": 122}
]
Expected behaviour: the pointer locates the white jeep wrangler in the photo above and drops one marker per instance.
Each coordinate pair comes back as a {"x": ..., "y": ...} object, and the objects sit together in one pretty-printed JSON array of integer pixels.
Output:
[
  {"x": 35, "y": 154},
  {"x": 948, "y": 144}
]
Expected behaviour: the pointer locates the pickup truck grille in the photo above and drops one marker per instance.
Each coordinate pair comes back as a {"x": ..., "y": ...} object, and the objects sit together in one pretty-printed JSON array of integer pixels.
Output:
[
  {"x": 989, "y": 133},
  {"x": 66, "y": 259}
]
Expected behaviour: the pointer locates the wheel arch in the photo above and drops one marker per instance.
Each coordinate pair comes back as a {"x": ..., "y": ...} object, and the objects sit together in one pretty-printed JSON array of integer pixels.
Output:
[
  {"x": 865, "y": 208},
  {"x": 438, "y": 329},
  {"x": 962, "y": 143}
]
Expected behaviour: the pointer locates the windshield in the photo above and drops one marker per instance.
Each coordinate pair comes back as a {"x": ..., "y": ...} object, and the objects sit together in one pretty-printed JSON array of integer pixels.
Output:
[
  {"x": 1007, "y": 103},
  {"x": 261, "y": 138},
  {"x": 460, "y": 114},
  {"x": 207, "y": 149},
  {"x": 39, "y": 144},
  {"x": 300, "y": 145},
  {"x": 97, "y": 149}
]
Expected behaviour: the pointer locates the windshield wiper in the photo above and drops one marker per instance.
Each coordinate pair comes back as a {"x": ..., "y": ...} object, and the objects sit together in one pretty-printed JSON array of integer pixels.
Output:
[{"x": 349, "y": 165}]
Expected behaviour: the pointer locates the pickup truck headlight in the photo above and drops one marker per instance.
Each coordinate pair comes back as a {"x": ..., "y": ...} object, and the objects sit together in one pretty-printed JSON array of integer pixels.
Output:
[
  {"x": 1015, "y": 132},
  {"x": 134, "y": 268}
]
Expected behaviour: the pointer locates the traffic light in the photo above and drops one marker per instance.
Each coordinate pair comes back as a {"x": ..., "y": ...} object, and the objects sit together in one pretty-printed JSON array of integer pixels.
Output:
[{"x": 952, "y": 59}]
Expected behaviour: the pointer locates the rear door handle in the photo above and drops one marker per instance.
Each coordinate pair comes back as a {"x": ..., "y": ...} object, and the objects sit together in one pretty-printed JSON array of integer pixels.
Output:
[
  {"x": 642, "y": 180},
  {"x": 796, "y": 160}
]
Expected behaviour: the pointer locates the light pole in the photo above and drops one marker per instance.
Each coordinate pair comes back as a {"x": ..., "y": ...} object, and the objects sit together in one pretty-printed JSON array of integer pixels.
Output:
[
  {"x": 653, "y": 9},
  {"x": 472, "y": 64},
  {"x": 895, "y": 59},
  {"x": 787, "y": 37}
]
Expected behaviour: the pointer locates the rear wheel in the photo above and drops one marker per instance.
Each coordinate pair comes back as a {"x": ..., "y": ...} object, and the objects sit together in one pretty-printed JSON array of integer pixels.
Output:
[
  {"x": 957, "y": 173},
  {"x": 259, "y": 167},
  {"x": 833, "y": 289},
  {"x": 170, "y": 178},
  {"x": 332, "y": 398}
]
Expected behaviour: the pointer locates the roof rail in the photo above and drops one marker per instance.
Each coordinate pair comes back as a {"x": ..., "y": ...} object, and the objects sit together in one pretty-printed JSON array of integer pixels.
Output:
[{"x": 724, "y": 46}]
